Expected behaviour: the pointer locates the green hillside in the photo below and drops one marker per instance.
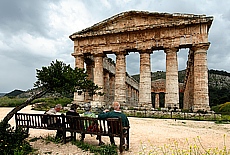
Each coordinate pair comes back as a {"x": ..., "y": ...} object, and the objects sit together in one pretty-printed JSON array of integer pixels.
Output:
[
  {"x": 14, "y": 93},
  {"x": 218, "y": 82}
]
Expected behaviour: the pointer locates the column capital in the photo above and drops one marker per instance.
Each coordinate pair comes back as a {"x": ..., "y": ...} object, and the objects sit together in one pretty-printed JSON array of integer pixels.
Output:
[
  {"x": 77, "y": 55},
  {"x": 172, "y": 49},
  {"x": 121, "y": 53},
  {"x": 99, "y": 55},
  {"x": 203, "y": 46},
  {"x": 146, "y": 51}
]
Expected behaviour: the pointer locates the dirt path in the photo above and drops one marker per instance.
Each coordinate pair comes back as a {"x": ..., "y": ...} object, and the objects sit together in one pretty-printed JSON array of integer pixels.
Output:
[{"x": 147, "y": 135}]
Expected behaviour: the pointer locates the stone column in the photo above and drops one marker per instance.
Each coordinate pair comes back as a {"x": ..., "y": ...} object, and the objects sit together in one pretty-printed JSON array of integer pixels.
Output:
[
  {"x": 130, "y": 95},
  {"x": 201, "y": 98},
  {"x": 98, "y": 80},
  {"x": 79, "y": 61},
  {"x": 172, "y": 89},
  {"x": 106, "y": 87},
  {"x": 79, "y": 95},
  {"x": 157, "y": 100},
  {"x": 112, "y": 87},
  {"x": 145, "y": 79},
  {"x": 189, "y": 87},
  {"x": 89, "y": 70},
  {"x": 120, "y": 78}
]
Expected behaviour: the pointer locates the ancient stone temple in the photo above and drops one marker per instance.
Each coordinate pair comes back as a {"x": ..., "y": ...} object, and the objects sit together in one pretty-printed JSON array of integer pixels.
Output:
[{"x": 145, "y": 32}]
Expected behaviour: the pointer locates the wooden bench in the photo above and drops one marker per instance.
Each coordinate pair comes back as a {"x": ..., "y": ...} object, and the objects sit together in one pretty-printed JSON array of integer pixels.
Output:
[{"x": 74, "y": 124}]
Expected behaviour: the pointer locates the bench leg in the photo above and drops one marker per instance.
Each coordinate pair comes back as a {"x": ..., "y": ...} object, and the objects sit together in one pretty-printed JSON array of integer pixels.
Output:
[
  {"x": 73, "y": 136},
  {"x": 127, "y": 141},
  {"x": 64, "y": 136},
  {"x": 122, "y": 142}
]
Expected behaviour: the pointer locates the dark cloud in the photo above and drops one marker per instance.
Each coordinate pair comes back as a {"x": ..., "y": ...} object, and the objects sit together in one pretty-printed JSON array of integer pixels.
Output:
[
  {"x": 24, "y": 16},
  {"x": 34, "y": 33}
]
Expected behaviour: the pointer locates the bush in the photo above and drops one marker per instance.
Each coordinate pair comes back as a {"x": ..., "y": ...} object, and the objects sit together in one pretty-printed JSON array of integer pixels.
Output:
[
  {"x": 11, "y": 102},
  {"x": 13, "y": 141},
  {"x": 222, "y": 108},
  {"x": 48, "y": 103}
]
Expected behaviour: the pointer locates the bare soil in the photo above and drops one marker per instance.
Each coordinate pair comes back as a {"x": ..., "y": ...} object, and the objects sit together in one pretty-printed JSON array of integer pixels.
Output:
[{"x": 146, "y": 135}]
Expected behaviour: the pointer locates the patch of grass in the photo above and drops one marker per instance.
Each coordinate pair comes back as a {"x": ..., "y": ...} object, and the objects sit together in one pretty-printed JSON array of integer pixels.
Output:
[
  {"x": 51, "y": 138},
  {"x": 222, "y": 122},
  {"x": 196, "y": 148},
  {"x": 98, "y": 150}
]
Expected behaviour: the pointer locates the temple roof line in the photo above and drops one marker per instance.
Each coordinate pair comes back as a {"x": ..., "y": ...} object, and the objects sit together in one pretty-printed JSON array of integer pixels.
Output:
[{"x": 175, "y": 20}]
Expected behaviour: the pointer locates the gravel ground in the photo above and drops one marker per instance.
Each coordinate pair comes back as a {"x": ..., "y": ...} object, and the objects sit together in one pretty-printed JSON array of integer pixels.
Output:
[{"x": 146, "y": 135}]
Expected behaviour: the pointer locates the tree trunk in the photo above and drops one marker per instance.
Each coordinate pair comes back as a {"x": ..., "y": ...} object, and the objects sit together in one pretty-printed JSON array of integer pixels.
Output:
[{"x": 24, "y": 104}]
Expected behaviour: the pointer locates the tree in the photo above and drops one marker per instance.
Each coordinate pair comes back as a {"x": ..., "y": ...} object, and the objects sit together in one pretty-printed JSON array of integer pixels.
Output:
[{"x": 59, "y": 78}]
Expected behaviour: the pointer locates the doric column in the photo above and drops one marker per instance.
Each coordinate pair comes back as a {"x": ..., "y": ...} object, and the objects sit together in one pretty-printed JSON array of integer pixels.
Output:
[
  {"x": 201, "y": 98},
  {"x": 145, "y": 79},
  {"x": 130, "y": 95},
  {"x": 112, "y": 87},
  {"x": 172, "y": 89},
  {"x": 137, "y": 97},
  {"x": 120, "y": 78},
  {"x": 106, "y": 87},
  {"x": 89, "y": 70},
  {"x": 157, "y": 100},
  {"x": 79, "y": 61},
  {"x": 79, "y": 95},
  {"x": 189, "y": 87},
  {"x": 98, "y": 79}
]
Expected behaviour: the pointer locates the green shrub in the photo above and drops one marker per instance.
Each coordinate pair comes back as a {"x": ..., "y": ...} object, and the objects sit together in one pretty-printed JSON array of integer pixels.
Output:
[
  {"x": 10, "y": 102},
  {"x": 222, "y": 108},
  {"x": 48, "y": 103},
  {"x": 13, "y": 141}
]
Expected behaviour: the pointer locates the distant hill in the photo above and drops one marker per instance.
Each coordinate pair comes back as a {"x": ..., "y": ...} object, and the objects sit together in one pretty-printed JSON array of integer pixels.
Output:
[
  {"x": 2, "y": 94},
  {"x": 14, "y": 93},
  {"x": 162, "y": 75},
  {"x": 218, "y": 84}
]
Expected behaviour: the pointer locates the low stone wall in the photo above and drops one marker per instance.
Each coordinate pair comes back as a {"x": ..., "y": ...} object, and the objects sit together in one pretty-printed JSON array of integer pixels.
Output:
[{"x": 172, "y": 114}]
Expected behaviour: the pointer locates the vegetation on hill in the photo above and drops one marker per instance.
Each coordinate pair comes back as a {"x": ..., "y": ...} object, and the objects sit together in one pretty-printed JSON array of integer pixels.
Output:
[
  {"x": 14, "y": 93},
  {"x": 219, "y": 84}
]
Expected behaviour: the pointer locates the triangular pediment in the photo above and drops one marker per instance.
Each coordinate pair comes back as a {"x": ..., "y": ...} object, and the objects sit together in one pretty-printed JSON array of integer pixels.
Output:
[{"x": 139, "y": 20}]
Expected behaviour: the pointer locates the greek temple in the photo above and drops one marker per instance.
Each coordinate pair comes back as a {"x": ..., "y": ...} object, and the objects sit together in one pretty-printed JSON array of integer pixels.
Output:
[{"x": 144, "y": 33}]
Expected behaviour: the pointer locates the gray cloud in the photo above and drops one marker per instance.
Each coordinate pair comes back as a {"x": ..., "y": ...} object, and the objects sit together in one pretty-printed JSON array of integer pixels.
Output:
[{"x": 34, "y": 33}]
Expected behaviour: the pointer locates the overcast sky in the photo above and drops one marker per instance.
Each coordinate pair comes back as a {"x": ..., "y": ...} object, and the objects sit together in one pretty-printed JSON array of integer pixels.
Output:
[{"x": 35, "y": 32}]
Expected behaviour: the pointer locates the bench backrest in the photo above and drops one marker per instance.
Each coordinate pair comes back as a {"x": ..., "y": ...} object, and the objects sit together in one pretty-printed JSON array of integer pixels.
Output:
[
  {"x": 109, "y": 126},
  {"x": 42, "y": 121}
]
